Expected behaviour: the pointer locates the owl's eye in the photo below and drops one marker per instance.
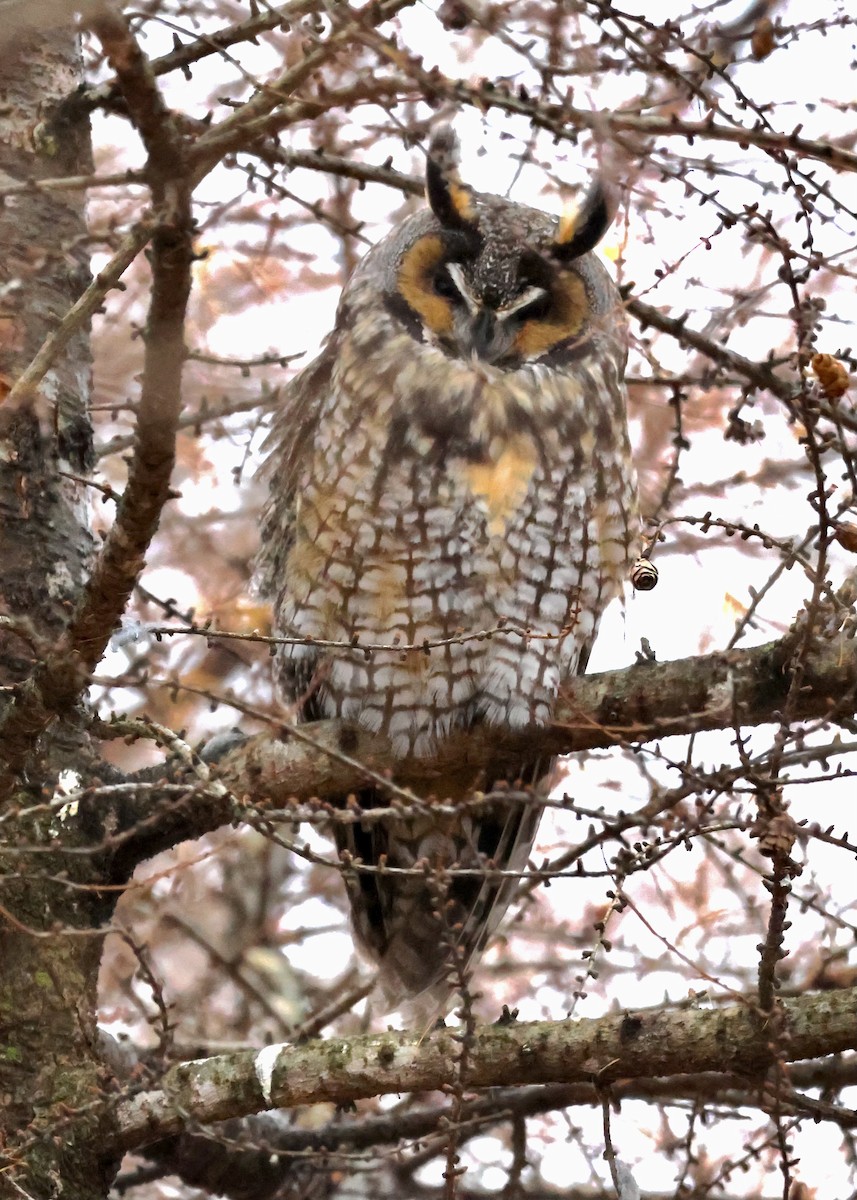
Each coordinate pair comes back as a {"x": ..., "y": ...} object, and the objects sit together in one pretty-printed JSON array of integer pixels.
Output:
[
  {"x": 444, "y": 284},
  {"x": 531, "y": 304},
  {"x": 536, "y": 307}
]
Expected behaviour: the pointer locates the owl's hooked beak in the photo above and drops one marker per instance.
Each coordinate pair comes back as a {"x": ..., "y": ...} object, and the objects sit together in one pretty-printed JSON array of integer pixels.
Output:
[
  {"x": 483, "y": 334},
  {"x": 488, "y": 334}
]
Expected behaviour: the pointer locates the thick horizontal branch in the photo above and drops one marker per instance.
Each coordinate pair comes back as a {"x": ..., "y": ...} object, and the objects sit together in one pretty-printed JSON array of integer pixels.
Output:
[
  {"x": 563, "y": 120},
  {"x": 634, "y": 705},
  {"x": 559, "y": 119},
  {"x": 330, "y": 759},
  {"x": 737, "y": 1038},
  {"x": 198, "y": 1159}
]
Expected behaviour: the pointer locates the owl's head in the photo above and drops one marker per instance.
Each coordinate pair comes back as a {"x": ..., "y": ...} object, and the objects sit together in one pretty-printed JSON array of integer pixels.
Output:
[{"x": 480, "y": 277}]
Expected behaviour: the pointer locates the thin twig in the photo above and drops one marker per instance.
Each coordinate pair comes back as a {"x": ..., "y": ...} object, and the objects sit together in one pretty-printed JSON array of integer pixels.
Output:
[{"x": 81, "y": 312}]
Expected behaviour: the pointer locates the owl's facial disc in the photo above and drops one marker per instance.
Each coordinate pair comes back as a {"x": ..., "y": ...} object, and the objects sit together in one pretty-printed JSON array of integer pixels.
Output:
[{"x": 479, "y": 299}]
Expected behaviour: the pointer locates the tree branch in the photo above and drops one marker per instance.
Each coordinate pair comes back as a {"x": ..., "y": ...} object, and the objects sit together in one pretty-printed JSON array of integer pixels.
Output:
[
  {"x": 331, "y": 759},
  {"x": 80, "y": 313},
  {"x": 254, "y": 1147},
  {"x": 737, "y": 1038},
  {"x": 184, "y": 55},
  {"x": 634, "y": 705},
  {"x": 759, "y": 375},
  {"x": 564, "y": 121},
  {"x": 209, "y": 147}
]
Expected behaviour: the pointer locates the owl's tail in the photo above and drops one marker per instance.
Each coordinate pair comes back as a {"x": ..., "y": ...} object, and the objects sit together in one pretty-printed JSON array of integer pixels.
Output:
[{"x": 437, "y": 887}]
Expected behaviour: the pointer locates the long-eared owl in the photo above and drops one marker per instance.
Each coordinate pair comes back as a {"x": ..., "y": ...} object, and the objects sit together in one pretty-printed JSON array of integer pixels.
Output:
[{"x": 454, "y": 463}]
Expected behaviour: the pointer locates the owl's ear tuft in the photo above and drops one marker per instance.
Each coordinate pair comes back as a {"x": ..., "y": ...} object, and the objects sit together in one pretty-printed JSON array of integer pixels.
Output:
[
  {"x": 581, "y": 230},
  {"x": 451, "y": 200}
]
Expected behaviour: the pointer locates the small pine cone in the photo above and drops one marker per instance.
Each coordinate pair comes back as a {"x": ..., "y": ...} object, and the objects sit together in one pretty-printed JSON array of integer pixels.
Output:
[{"x": 831, "y": 375}]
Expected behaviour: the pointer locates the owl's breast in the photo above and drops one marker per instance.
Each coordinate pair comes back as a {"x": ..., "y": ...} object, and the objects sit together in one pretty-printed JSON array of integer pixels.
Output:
[{"x": 458, "y": 567}]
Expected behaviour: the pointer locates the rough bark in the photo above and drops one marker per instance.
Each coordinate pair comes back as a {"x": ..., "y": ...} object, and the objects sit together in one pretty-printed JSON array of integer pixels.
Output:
[
  {"x": 44, "y": 539},
  {"x": 47, "y": 987},
  {"x": 737, "y": 1038}
]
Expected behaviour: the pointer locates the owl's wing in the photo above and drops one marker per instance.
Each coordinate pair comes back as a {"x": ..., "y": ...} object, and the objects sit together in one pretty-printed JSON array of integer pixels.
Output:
[{"x": 288, "y": 447}]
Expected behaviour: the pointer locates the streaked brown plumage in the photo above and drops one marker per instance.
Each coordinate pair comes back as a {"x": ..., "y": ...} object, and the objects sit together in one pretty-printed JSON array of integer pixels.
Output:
[{"x": 455, "y": 461}]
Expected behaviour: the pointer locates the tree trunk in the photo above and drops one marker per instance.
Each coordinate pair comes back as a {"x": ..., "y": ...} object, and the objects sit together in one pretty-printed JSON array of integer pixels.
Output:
[{"x": 49, "y": 1067}]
